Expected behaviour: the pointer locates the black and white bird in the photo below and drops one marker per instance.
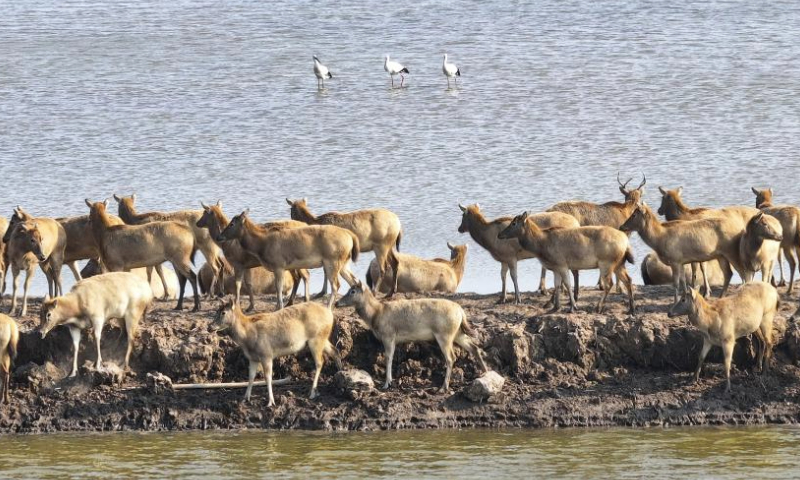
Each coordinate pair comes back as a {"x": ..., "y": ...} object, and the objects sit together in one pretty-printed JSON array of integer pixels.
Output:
[
  {"x": 394, "y": 68},
  {"x": 322, "y": 72},
  {"x": 450, "y": 70}
]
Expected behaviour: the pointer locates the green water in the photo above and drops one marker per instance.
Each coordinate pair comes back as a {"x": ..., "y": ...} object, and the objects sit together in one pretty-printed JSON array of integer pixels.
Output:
[{"x": 763, "y": 452}]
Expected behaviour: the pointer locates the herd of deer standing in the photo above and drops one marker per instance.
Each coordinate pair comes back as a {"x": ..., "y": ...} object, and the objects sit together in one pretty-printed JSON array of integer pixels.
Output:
[{"x": 568, "y": 237}]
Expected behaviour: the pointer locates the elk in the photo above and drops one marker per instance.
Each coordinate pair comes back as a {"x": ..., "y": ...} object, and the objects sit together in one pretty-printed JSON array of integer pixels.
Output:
[
  {"x": 656, "y": 272},
  {"x": 93, "y": 302},
  {"x": 124, "y": 247},
  {"x": 508, "y": 252},
  {"x": 378, "y": 230},
  {"x": 9, "y": 337},
  {"x": 267, "y": 336},
  {"x": 759, "y": 247},
  {"x": 582, "y": 248},
  {"x": 419, "y": 275},
  {"x": 93, "y": 268},
  {"x": 721, "y": 321},
  {"x": 30, "y": 242},
  {"x": 204, "y": 242},
  {"x": 789, "y": 216},
  {"x": 673, "y": 208},
  {"x": 420, "y": 320},
  {"x": 609, "y": 214},
  {"x": 685, "y": 241},
  {"x": 3, "y": 257},
  {"x": 325, "y": 246},
  {"x": 244, "y": 265}
]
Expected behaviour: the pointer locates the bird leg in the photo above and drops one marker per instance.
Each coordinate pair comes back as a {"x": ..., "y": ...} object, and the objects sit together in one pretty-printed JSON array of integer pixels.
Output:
[{"x": 402, "y": 78}]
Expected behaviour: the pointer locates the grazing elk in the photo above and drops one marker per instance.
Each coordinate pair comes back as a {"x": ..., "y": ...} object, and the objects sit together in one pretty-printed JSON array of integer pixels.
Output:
[
  {"x": 378, "y": 230},
  {"x": 325, "y": 246},
  {"x": 31, "y": 241},
  {"x": 721, "y": 321},
  {"x": 267, "y": 336},
  {"x": 789, "y": 216},
  {"x": 9, "y": 337},
  {"x": 419, "y": 275},
  {"x": 685, "y": 241},
  {"x": 420, "y": 320},
  {"x": 125, "y": 247},
  {"x": 508, "y": 252},
  {"x": 94, "y": 301},
  {"x": 582, "y": 248},
  {"x": 202, "y": 239},
  {"x": 245, "y": 265}
]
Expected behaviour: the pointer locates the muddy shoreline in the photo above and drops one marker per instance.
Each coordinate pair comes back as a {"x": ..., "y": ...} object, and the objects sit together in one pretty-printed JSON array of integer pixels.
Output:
[{"x": 579, "y": 370}]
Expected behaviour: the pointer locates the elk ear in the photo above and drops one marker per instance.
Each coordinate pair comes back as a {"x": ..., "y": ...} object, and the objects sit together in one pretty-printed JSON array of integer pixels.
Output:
[
  {"x": 289, "y": 202},
  {"x": 116, "y": 197},
  {"x": 88, "y": 203},
  {"x": 305, "y": 201},
  {"x": 54, "y": 302},
  {"x": 754, "y": 190},
  {"x": 462, "y": 207},
  {"x": 661, "y": 189},
  {"x": 680, "y": 190},
  {"x": 203, "y": 204},
  {"x": 105, "y": 203},
  {"x": 478, "y": 206},
  {"x": 219, "y": 203},
  {"x": 450, "y": 246},
  {"x": 246, "y": 212},
  {"x": 770, "y": 190},
  {"x": 133, "y": 198},
  {"x": 524, "y": 215}
]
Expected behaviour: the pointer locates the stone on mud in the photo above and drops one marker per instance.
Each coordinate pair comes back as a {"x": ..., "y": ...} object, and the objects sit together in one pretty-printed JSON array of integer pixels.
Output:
[
  {"x": 38, "y": 377},
  {"x": 485, "y": 387},
  {"x": 158, "y": 383},
  {"x": 109, "y": 373},
  {"x": 352, "y": 382}
]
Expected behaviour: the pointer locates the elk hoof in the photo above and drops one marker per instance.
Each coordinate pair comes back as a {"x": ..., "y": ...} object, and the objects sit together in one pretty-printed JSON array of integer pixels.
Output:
[
  {"x": 552, "y": 310},
  {"x": 782, "y": 283},
  {"x": 250, "y": 309},
  {"x": 319, "y": 295}
]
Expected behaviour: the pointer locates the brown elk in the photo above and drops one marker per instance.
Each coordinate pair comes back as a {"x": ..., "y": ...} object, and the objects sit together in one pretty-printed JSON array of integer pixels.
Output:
[
  {"x": 750, "y": 310},
  {"x": 243, "y": 263},
  {"x": 124, "y": 247},
  {"x": 325, "y": 246},
  {"x": 609, "y": 214},
  {"x": 9, "y": 337},
  {"x": 789, "y": 216},
  {"x": 685, "y": 241},
  {"x": 509, "y": 252},
  {"x": 420, "y": 275},
  {"x": 3, "y": 257},
  {"x": 759, "y": 247},
  {"x": 203, "y": 241},
  {"x": 582, "y": 248},
  {"x": 378, "y": 230}
]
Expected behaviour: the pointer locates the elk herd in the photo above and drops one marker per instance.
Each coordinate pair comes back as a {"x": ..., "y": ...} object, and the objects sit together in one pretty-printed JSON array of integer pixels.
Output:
[{"x": 691, "y": 246}]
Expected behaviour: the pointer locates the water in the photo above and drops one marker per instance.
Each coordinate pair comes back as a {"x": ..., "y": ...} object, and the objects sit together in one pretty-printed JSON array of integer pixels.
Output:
[
  {"x": 187, "y": 101},
  {"x": 722, "y": 453}
]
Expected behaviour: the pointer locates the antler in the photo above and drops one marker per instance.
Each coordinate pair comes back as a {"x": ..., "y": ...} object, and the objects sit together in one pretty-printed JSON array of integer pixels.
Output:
[
  {"x": 623, "y": 185},
  {"x": 644, "y": 181}
]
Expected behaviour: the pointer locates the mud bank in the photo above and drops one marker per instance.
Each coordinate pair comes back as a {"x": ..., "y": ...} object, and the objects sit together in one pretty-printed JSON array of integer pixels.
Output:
[{"x": 561, "y": 370}]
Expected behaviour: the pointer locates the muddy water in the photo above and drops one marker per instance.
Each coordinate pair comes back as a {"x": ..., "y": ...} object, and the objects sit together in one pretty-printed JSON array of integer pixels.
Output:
[
  {"x": 615, "y": 453},
  {"x": 187, "y": 101}
]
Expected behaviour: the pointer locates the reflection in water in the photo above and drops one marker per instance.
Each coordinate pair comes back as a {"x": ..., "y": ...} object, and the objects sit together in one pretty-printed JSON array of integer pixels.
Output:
[{"x": 612, "y": 453}]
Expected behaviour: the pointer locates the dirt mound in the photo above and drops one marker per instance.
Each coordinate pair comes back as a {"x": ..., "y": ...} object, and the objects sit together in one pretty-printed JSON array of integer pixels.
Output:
[{"x": 581, "y": 369}]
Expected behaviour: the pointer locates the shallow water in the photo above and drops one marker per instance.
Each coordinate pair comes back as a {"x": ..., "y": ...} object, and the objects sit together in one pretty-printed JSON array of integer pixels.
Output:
[
  {"x": 762, "y": 452},
  {"x": 187, "y": 101}
]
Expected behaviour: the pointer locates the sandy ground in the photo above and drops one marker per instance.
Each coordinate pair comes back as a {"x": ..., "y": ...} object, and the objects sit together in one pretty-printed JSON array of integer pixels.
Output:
[{"x": 561, "y": 370}]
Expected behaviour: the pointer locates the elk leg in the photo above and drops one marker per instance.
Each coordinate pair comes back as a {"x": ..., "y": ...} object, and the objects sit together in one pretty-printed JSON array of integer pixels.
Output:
[
  {"x": 317, "y": 349},
  {"x": 622, "y": 273},
  {"x": 703, "y": 352},
  {"x": 727, "y": 353},
  {"x": 677, "y": 273},
  {"x": 160, "y": 273},
  {"x": 782, "y": 282},
  {"x": 762, "y": 344},
  {"x": 449, "y": 358},
  {"x": 75, "y": 272},
  {"x": 727, "y": 273},
  {"x": 26, "y": 288},
  {"x": 181, "y": 288},
  {"x": 556, "y": 300},
  {"x": 251, "y": 376},
  {"x": 394, "y": 264},
  {"x": 607, "y": 282},
  {"x": 244, "y": 275},
  {"x": 706, "y": 284},
  {"x": 332, "y": 353},
  {"x": 14, "y": 287},
  {"x": 513, "y": 268},
  {"x": 267, "y": 367},
  {"x": 324, "y": 290},
  {"x": 503, "y": 274},
  {"x": 334, "y": 278},
  {"x": 576, "y": 289},
  {"x": 306, "y": 292},
  {"x": 97, "y": 325},
  {"x": 75, "y": 333},
  {"x": 388, "y": 346},
  {"x": 542, "y": 285},
  {"x": 295, "y": 286},
  {"x": 278, "y": 272},
  {"x": 694, "y": 273}
]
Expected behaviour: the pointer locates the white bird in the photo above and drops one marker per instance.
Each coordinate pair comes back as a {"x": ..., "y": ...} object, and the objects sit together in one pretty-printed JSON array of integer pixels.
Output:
[
  {"x": 321, "y": 71},
  {"x": 393, "y": 68},
  {"x": 450, "y": 70}
]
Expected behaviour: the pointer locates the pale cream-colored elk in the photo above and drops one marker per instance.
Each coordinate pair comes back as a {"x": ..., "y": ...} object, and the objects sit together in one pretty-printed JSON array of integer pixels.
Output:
[
  {"x": 30, "y": 242},
  {"x": 378, "y": 230},
  {"x": 94, "y": 301},
  {"x": 266, "y": 336},
  {"x": 582, "y": 248},
  {"x": 93, "y": 268},
  {"x": 656, "y": 272},
  {"x": 9, "y": 338},
  {"x": 789, "y": 216},
  {"x": 721, "y": 321},
  {"x": 759, "y": 247},
  {"x": 246, "y": 267},
  {"x": 609, "y": 214},
  {"x": 509, "y": 252},
  {"x": 681, "y": 242},
  {"x": 419, "y": 320},
  {"x": 417, "y": 275},
  {"x": 325, "y": 246},
  {"x": 672, "y": 207},
  {"x": 203, "y": 241},
  {"x": 125, "y": 247}
]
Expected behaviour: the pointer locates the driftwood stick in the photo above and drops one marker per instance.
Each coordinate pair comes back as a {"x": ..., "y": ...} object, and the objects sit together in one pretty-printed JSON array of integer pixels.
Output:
[{"x": 199, "y": 386}]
